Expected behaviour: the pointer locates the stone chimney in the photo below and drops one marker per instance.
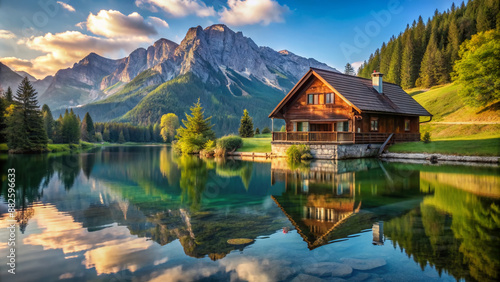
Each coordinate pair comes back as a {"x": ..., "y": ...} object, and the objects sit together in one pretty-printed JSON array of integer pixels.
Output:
[{"x": 377, "y": 81}]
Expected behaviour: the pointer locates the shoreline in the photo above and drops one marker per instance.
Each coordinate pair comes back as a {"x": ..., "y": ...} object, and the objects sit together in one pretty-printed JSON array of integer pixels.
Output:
[{"x": 434, "y": 158}]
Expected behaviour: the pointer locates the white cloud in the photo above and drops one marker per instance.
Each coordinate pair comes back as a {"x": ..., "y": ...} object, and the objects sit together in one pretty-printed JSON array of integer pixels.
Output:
[
  {"x": 66, "y": 6},
  {"x": 178, "y": 8},
  {"x": 114, "y": 24},
  {"x": 158, "y": 22},
  {"x": 246, "y": 12},
  {"x": 64, "y": 49},
  {"x": 5, "y": 34},
  {"x": 356, "y": 65}
]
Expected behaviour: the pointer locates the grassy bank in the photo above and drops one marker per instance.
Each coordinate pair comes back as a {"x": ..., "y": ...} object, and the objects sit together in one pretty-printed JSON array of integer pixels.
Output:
[
  {"x": 259, "y": 144},
  {"x": 57, "y": 148},
  {"x": 464, "y": 147}
]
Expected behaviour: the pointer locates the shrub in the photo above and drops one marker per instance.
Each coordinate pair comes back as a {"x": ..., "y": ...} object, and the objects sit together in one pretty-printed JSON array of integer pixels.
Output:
[
  {"x": 257, "y": 131},
  {"x": 209, "y": 149},
  {"x": 230, "y": 142},
  {"x": 295, "y": 153},
  {"x": 427, "y": 137},
  {"x": 266, "y": 130},
  {"x": 219, "y": 152}
]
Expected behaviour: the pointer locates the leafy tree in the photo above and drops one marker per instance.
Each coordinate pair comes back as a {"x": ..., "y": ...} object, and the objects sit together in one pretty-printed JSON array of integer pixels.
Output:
[
  {"x": 246, "y": 125},
  {"x": 196, "y": 132},
  {"x": 87, "y": 130},
  {"x": 266, "y": 130},
  {"x": 257, "y": 131},
  {"x": 168, "y": 126},
  {"x": 349, "y": 69},
  {"x": 477, "y": 72},
  {"x": 70, "y": 128},
  {"x": 25, "y": 131},
  {"x": 121, "y": 137}
]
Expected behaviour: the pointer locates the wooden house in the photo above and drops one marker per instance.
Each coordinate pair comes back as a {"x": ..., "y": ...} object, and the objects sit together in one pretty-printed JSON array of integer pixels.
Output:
[{"x": 331, "y": 108}]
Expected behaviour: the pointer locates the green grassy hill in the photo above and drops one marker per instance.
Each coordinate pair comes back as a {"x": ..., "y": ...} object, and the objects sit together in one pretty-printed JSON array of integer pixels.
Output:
[
  {"x": 452, "y": 118},
  {"x": 456, "y": 128}
]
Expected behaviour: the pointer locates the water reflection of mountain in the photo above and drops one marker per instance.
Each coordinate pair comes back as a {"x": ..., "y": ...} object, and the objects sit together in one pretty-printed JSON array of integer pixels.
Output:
[
  {"x": 445, "y": 217},
  {"x": 201, "y": 203}
]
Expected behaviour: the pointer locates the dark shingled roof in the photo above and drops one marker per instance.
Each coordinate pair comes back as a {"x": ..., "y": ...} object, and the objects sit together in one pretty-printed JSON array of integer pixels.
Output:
[{"x": 360, "y": 92}]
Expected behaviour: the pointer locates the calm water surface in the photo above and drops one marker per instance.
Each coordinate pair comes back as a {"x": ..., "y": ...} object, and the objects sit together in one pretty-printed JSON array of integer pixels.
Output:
[{"x": 145, "y": 214}]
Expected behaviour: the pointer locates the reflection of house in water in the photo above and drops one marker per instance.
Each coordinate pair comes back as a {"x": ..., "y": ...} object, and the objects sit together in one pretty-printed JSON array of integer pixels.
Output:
[
  {"x": 316, "y": 201},
  {"x": 323, "y": 200}
]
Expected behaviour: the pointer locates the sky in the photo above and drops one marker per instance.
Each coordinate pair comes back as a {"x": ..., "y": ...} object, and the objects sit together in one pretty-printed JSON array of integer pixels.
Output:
[{"x": 43, "y": 36}]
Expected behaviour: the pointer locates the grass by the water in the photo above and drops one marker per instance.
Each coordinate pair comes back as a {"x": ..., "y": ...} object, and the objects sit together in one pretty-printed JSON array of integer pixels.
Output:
[
  {"x": 464, "y": 147},
  {"x": 260, "y": 143},
  {"x": 57, "y": 148}
]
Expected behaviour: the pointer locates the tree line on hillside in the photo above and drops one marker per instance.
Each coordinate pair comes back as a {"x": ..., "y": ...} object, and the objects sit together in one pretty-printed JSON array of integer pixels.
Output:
[
  {"x": 27, "y": 128},
  {"x": 424, "y": 54}
]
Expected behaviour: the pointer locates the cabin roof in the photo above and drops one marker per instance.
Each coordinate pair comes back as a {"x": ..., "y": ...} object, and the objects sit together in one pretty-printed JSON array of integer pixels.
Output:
[{"x": 360, "y": 93}]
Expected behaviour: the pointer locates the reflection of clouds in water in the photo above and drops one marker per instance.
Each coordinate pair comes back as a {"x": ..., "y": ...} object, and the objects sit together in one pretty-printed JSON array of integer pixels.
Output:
[
  {"x": 177, "y": 274},
  {"x": 108, "y": 250},
  {"x": 239, "y": 268}
]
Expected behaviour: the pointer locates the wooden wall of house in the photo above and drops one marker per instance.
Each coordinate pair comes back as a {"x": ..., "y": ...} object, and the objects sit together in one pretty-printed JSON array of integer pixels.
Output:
[
  {"x": 300, "y": 110},
  {"x": 388, "y": 123}
]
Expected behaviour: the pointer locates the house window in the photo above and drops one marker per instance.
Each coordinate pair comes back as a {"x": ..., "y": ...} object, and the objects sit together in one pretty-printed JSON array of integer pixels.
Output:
[
  {"x": 343, "y": 126},
  {"x": 407, "y": 125},
  {"x": 319, "y": 99},
  {"x": 310, "y": 99},
  {"x": 329, "y": 98},
  {"x": 374, "y": 124},
  {"x": 301, "y": 126}
]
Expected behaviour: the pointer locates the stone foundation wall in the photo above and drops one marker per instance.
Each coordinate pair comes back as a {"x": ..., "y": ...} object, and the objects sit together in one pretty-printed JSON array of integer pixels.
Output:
[{"x": 330, "y": 151}]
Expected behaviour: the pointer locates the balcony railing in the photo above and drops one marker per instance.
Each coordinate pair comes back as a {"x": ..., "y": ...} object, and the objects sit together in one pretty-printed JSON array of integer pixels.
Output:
[
  {"x": 314, "y": 136},
  {"x": 343, "y": 137}
]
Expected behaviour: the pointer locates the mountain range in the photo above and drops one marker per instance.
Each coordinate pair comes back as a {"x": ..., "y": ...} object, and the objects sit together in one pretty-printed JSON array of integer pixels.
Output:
[{"x": 225, "y": 69}]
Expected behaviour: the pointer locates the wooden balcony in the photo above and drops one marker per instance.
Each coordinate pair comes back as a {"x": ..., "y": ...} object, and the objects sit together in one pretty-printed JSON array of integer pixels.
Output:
[{"x": 343, "y": 137}]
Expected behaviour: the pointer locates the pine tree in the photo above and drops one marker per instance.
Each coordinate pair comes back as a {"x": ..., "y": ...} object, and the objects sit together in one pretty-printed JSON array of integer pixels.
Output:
[
  {"x": 48, "y": 121},
  {"x": 106, "y": 134},
  {"x": 57, "y": 134},
  {"x": 395, "y": 66},
  {"x": 196, "y": 132},
  {"x": 246, "y": 125},
  {"x": 121, "y": 138},
  {"x": 25, "y": 131},
  {"x": 87, "y": 130},
  {"x": 157, "y": 132},
  {"x": 427, "y": 73},
  {"x": 3, "y": 123},
  {"x": 349, "y": 69},
  {"x": 9, "y": 96},
  {"x": 70, "y": 128},
  {"x": 257, "y": 131},
  {"x": 407, "y": 61}
]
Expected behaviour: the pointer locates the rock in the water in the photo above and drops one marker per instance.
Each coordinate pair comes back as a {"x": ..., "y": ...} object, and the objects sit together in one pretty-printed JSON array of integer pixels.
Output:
[
  {"x": 364, "y": 264},
  {"x": 329, "y": 269},
  {"x": 240, "y": 241},
  {"x": 307, "y": 278}
]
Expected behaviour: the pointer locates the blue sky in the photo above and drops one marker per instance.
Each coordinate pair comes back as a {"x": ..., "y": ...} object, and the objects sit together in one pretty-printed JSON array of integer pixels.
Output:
[{"x": 43, "y": 36}]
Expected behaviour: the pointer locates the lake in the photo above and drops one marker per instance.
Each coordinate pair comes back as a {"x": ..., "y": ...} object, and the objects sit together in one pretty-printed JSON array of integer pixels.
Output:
[{"x": 146, "y": 214}]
